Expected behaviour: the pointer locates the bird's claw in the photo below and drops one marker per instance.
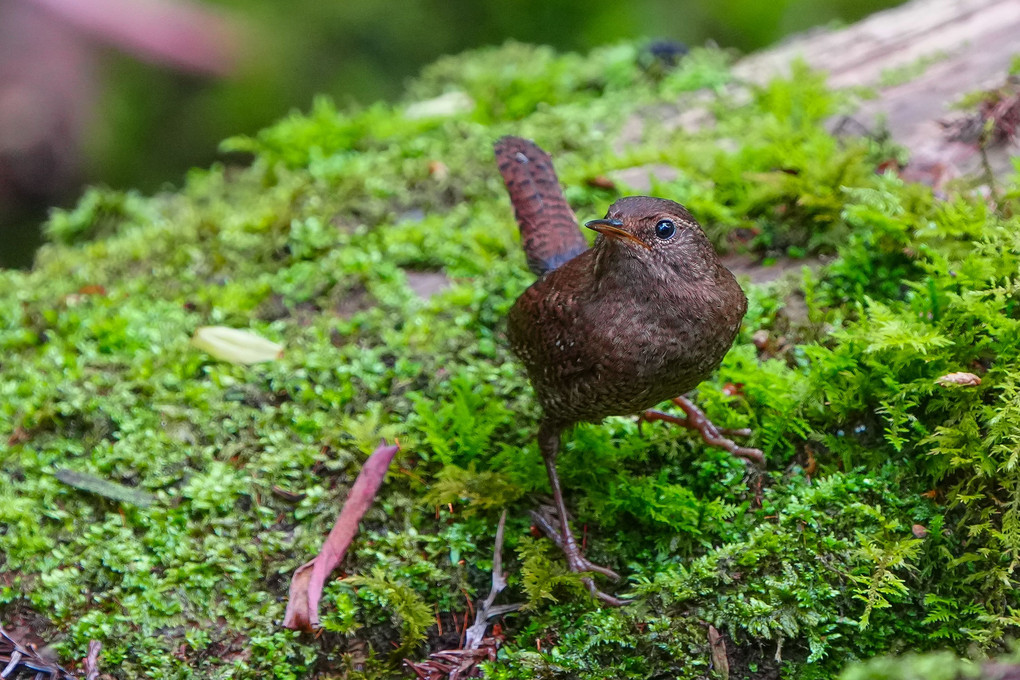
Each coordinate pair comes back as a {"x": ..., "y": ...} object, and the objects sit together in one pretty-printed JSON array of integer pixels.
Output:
[
  {"x": 695, "y": 419},
  {"x": 577, "y": 562},
  {"x": 605, "y": 597}
]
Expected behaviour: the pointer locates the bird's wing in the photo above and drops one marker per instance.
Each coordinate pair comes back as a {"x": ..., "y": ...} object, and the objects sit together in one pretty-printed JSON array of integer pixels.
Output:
[{"x": 546, "y": 328}]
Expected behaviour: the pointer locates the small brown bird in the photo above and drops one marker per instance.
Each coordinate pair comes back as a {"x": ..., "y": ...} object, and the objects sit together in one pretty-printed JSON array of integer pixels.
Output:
[{"x": 642, "y": 316}]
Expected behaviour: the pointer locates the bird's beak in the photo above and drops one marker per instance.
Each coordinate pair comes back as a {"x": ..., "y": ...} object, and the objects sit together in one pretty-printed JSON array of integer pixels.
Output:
[{"x": 614, "y": 229}]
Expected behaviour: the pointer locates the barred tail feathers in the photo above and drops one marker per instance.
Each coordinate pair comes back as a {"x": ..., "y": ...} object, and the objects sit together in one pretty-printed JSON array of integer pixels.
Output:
[{"x": 549, "y": 232}]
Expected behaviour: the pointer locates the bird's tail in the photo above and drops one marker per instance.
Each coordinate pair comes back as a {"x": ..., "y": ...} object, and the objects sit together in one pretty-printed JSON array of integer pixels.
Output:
[{"x": 549, "y": 232}]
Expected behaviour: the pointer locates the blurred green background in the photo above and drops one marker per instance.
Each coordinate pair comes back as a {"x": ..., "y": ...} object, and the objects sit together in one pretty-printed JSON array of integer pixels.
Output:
[{"x": 147, "y": 123}]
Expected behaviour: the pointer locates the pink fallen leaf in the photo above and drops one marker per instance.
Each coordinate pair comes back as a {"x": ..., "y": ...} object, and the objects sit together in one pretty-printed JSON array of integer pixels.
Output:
[
  {"x": 965, "y": 379},
  {"x": 309, "y": 579}
]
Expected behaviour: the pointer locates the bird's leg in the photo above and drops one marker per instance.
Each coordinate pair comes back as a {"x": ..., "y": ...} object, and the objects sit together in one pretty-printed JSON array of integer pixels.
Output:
[
  {"x": 551, "y": 530},
  {"x": 549, "y": 445},
  {"x": 714, "y": 436}
]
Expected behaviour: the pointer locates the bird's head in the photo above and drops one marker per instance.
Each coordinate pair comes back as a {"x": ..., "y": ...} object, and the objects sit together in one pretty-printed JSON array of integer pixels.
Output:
[{"x": 657, "y": 233}]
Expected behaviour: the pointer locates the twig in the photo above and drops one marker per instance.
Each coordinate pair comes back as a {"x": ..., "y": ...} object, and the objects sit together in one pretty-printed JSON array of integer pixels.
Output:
[
  {"x": 15, "y": 657},
  {"x": 475, "y": 634},
  {"x": 455, "y": 664},
  {"x": 92, "y": 660}
]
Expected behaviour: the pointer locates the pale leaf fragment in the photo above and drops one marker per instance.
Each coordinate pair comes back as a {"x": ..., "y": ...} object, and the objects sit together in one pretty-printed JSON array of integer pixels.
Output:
[
  {"x": 104, "y": 487},
  {"x": 446, "y": 104},
  {"x": 965, "y": 379},
  {"x": 236, "y": 346}
]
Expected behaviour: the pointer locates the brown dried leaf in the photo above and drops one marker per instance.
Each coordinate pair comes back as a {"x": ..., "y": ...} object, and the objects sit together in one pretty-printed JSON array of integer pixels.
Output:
[
  {"x": 438, "y": 170},
  {"x": 812, "y": 463},
  {"x": 733, "y": 389},
  {"x": 289, "y": 496},
  {"x": 456, "y": 664},
  {"x": 308, "y": 580},
  {"x": 720, "y": 661},
  {"x": 19, "y": 436},
  {"x": 600, "y": 182},
  {"x": 964, "y": 379}
]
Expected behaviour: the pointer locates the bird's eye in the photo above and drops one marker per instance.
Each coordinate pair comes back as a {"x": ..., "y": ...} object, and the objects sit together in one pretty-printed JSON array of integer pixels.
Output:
[{"x": 665, "y": 229}]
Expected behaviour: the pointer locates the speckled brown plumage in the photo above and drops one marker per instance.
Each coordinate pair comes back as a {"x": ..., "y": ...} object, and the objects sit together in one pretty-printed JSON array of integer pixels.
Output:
[
  {"x": 644, "y": 315},
  {"x": 620, "y": 328}
]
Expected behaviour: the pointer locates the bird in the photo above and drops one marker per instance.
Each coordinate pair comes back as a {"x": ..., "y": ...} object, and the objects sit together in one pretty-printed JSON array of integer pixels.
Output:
[{"x": 642, "y": 316}]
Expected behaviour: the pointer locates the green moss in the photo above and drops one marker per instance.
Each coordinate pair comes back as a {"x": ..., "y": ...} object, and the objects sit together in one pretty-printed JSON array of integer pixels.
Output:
[{"x": 887, "y": 521}]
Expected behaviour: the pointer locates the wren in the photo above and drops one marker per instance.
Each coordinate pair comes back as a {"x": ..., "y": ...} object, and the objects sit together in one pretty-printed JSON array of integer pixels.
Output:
[{"x": 642, "y": 316}]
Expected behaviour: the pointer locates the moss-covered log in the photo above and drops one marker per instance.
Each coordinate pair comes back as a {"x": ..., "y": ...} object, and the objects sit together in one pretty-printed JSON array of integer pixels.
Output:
[{"x": 377, "y": 247}]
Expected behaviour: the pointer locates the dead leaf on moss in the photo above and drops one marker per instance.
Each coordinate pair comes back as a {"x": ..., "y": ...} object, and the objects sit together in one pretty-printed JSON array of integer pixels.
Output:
[
  {"x": 309, "y": 579},
  {"x": 236, "y": 346},
  {"x": 438, "y": 170},
  {"x": 19, "y": 436},
  {"x": 720, "y": 661},
  {"x": 83, "y": 481},
  {"x": 601, "y": 182},
  {"x": 446, "y": 104},
  {"x": 963, "y": 379}
]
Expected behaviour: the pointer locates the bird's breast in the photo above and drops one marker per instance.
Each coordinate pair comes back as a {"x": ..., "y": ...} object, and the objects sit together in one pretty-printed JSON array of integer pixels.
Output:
[{"x": 592, "y": 352}]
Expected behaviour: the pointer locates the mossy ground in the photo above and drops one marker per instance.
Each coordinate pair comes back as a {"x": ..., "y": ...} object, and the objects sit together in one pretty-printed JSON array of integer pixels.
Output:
[{"x": 888, "y": 519}]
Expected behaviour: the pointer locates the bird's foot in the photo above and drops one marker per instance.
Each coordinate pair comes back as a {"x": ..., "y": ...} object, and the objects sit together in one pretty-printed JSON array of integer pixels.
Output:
[
  {"x": 577, "y": 562},
  {"x": 696, "y": 419}
]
